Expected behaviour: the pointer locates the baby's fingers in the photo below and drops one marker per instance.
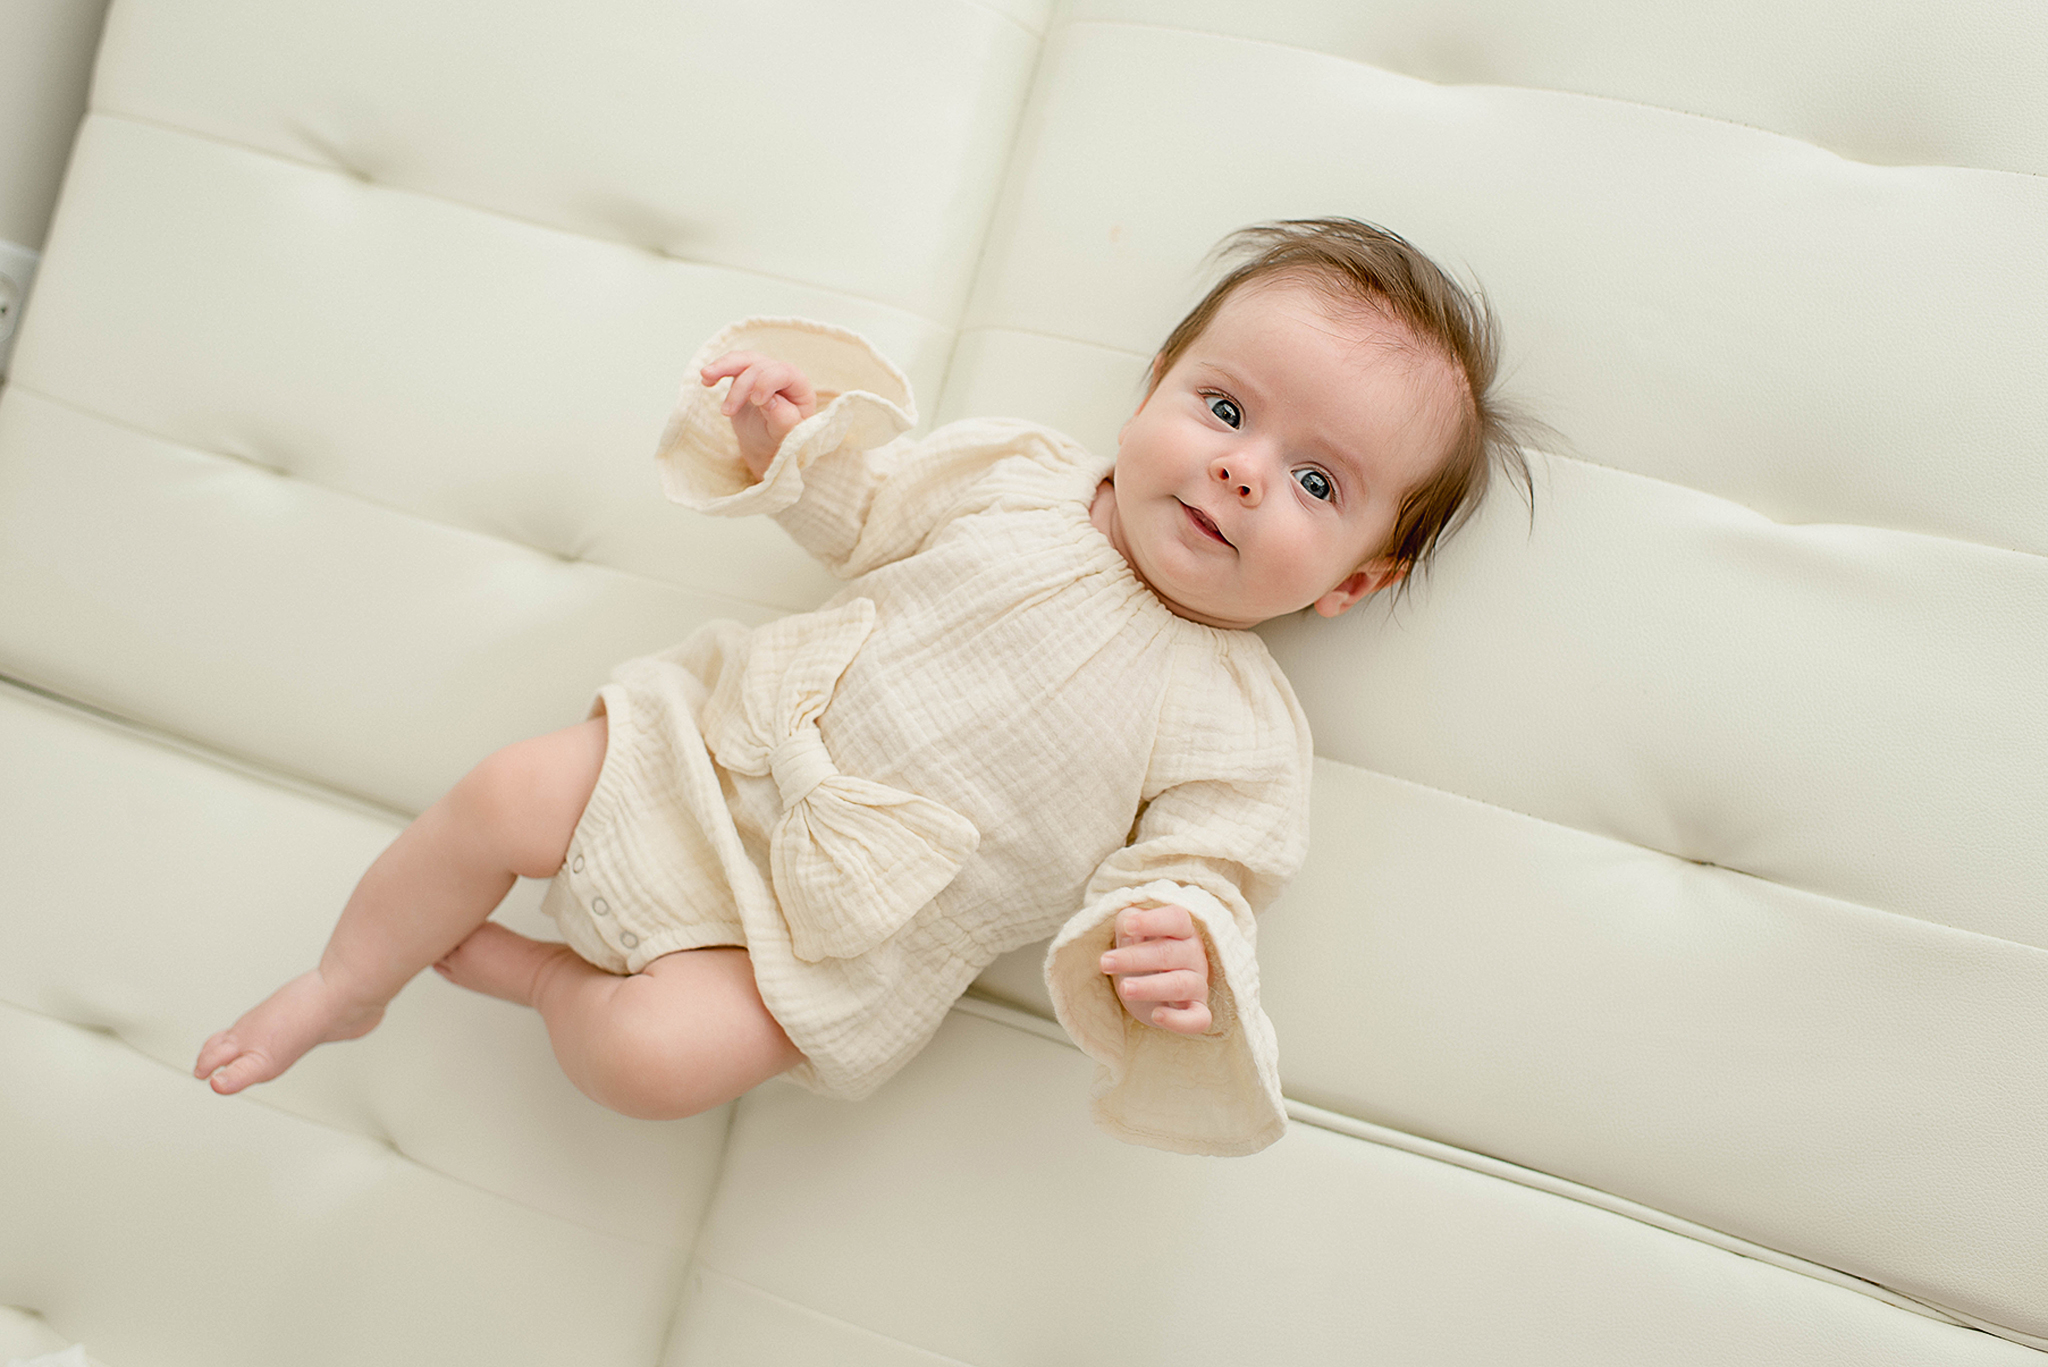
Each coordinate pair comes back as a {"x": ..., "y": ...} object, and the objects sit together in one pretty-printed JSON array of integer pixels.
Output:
[
  {"x": 731, "y": 363},
  {"x": 781, "y": 415},
  {"x": 1181, "y": 985},
  {"x": 1146, "y": 923},
  {"x": 754, "y": 385},
  {"x": 763, "y": 382},
  {"x": 1156, "y": 956},
  {"x": 1183, "y": 1018}
]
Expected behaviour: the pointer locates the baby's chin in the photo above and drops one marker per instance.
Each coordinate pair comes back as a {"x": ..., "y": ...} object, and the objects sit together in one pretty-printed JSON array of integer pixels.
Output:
[{"x": 1193, "y": 601}]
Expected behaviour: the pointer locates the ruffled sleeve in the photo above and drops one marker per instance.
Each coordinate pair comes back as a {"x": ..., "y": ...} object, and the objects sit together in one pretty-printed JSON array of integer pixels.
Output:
[
  {"x": 847, "y": 483},
  {"x": 1226, "y": 829}
]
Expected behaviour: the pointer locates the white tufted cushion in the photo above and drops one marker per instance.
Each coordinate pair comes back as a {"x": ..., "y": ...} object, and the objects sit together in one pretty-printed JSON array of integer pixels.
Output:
[{"x": 1667, "y": 981}]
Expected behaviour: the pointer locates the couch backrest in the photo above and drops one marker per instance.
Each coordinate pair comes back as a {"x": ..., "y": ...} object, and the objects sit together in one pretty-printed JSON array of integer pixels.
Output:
[{"x": 1681, "y": 841}]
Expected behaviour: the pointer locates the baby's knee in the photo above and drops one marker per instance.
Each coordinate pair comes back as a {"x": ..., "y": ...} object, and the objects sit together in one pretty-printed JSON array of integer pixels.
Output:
[
  {"x": 483, "y": 796},
  {"x": 527, "y": 798}
]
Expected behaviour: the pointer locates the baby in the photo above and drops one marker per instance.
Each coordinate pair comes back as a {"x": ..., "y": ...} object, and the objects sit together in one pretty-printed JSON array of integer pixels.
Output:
[{"x": 1034, "y": 708}]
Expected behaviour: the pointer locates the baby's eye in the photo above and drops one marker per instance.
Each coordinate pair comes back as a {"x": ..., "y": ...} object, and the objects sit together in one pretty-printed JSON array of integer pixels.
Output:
[
  {"x": 1315, "y": 483},
  {"x": 1226, "y": 410}
]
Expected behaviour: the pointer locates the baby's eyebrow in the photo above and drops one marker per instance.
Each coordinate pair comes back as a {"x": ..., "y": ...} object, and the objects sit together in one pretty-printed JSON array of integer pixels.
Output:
[
  {"x": 1219, "y": 372},
  {"x": 1338, "y": 452},
  {"x": 1348, "y": 463}
]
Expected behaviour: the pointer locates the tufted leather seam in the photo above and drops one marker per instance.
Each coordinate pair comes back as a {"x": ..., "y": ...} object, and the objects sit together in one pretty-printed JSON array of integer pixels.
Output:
[
  {"x": 699, "y": 1267},
  {"x": 394, "y": 508},
  {"x": 623, "y": 244},
  {"x": 1546, "y": 90},
  {"x": 1036, "y": 34},
  {"x": 1485, "y": 1165},
  {"x": 1776, "y": 522},
  {"x": 198, "y": 751},
  {"x": 1043, "y": 335},
  {"x": 1536, "y": 1180},
  {"x": 1679, "y": 858},
  {"x": 358, "y": 1135},
  {"x": 1027, "y": 108}
]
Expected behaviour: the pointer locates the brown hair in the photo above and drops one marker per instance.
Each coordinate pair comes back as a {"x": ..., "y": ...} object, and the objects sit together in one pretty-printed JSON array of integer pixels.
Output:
[{"x": 1362, "y": 264}]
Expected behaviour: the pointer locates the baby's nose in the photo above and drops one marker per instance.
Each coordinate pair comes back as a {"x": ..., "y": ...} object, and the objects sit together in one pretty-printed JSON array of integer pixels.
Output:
[{"x": 1238, "y": 478}]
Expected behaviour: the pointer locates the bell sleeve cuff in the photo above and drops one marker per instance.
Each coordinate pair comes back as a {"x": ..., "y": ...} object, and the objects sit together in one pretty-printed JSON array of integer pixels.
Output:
[
  {"x": 1216, "y": 1093},
  {"x": 863, "y": 402}
]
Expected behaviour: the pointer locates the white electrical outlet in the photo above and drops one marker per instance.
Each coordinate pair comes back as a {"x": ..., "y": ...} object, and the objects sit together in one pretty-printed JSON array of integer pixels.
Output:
[{"x": 17, "y": 268}]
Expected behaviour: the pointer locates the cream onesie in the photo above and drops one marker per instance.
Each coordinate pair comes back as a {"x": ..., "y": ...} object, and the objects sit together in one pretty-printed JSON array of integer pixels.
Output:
[{"x": 994, "y": 732}]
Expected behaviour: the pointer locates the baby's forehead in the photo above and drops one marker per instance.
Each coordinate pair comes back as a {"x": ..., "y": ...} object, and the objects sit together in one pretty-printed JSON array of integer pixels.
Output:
[
  {"x": 1368, "y": 321},
  {"x": 1372, "y": 334}
]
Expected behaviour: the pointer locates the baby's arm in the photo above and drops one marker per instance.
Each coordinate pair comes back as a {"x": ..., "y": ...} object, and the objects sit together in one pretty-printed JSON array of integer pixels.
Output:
[
  {"x": 767, "y": 400},
  {"x": 812, "y": 429},
  {"x": 1160, "y": 968},
  {"x": 1224, "y": 827}
]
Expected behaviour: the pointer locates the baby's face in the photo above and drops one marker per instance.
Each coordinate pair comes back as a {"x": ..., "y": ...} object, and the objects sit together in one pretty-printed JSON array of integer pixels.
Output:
[{"x": 1264, "y": 471}]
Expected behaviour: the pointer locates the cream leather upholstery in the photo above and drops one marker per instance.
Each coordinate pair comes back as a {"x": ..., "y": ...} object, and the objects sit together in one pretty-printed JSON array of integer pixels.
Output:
[{"x": 1669, "y": 980}]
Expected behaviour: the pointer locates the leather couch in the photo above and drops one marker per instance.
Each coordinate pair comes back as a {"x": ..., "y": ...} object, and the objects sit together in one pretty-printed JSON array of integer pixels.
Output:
[{"x": 1669, "y": 980}]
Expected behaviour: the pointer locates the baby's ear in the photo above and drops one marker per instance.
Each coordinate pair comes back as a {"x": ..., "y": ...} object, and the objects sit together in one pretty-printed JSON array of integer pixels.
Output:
[{"x": 1361, "y": 583}]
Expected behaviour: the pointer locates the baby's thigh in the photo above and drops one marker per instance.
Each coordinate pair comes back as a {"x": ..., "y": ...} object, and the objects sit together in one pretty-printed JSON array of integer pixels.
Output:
[{"x": 693, "y": 1032}]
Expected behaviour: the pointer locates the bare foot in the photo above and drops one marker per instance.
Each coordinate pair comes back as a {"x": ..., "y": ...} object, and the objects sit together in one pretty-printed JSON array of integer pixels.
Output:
[
  {"x": 306, "y": 1011},
  {"x": 502, "y": 963}
]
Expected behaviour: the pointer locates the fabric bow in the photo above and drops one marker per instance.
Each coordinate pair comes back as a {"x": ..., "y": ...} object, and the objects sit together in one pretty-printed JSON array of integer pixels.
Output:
[{"x": 851, "y": 859}]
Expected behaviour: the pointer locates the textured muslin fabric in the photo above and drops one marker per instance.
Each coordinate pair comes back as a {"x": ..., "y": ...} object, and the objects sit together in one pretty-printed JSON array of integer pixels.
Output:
[{"x": 994, "y": 731}]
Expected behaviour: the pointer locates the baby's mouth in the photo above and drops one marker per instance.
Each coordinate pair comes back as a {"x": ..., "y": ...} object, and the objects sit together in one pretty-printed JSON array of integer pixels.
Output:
[{"x": 1203, "y": 520}]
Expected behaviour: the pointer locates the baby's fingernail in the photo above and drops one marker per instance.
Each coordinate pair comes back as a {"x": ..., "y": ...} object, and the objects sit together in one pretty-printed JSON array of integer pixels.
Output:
[{"x": 1109, "y": 963}]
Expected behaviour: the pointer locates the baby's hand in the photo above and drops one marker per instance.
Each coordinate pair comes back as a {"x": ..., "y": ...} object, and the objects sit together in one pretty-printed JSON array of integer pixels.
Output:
[
  {"x": 767, "y": 398},
  {"x": 1161, "y": 969}
]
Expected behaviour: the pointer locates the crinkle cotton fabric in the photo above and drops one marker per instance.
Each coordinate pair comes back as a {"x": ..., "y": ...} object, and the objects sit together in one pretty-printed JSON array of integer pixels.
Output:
[{"x": 996, "y": 731}]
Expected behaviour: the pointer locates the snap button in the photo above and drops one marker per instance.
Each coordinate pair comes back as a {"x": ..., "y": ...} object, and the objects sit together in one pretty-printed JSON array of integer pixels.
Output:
[
  {"x": 629, "y": 939},
  {"x": 600, "y": 908},
  {"x": 577, "y": 867}
]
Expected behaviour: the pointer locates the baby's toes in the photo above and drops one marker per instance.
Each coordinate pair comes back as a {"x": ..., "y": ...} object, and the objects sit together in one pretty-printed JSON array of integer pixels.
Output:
[
  {"x": 218, "y": 1049},
  {"x": 245, "y": 1069}
]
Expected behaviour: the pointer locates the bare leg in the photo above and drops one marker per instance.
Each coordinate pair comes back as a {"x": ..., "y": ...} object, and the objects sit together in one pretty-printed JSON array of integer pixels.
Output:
[
  {"x": 511, "y": 816},
  {"x": 686, "y": 1033}
]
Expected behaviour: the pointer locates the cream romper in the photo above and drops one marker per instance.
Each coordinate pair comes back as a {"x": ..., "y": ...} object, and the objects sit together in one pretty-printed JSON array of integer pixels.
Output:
[{"x": 994, "y": 732}]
